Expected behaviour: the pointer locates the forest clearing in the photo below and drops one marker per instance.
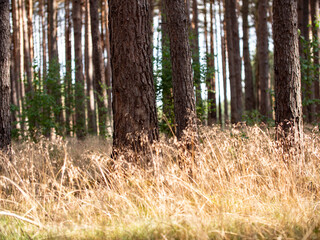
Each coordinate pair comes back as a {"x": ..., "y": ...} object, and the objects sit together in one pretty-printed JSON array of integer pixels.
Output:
[{"x": 243, "y": 187}]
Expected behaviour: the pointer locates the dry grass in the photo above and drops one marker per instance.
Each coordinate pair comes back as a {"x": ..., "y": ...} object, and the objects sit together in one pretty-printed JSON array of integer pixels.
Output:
[{"x": 241, "y": 189}]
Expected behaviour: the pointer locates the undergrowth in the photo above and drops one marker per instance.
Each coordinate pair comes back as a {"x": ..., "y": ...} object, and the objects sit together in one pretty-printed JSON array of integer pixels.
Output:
[{"x": 241, "y": 188}]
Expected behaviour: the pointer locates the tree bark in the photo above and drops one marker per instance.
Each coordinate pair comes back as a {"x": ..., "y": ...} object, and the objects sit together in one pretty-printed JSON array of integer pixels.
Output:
[
  {"x": 134, "y": 105},
  {"x": 196, "y": 57},
  {"x": 79, "y": 81},
  {"x": 315, "y": 35},
  {"x": 263, "y": 58},
  {"x": 234, "y": 60},
  {"x": 212, "y": 109},
  {"x": 249, "y": 90},
  {"x": 92, "y": 126},
  {"x": 5, "y": 116},
  {"x": 288, "y": 106},
  {"x": 183, "y": 94},
  {"x": 98, "y": 63}
]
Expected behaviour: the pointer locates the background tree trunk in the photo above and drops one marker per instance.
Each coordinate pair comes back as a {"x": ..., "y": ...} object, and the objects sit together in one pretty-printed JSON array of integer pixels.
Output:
[
  {"x": 5, "y": 117},
  {"x": 183, "y": 94},
  {"x": 249, "y": 90},
  {"x": 79, "y": 81},
  {"x": 134, "y": 106},
  {"x": 98, "y": 66},
  {"x": 263, "y": 58},
  {"x": 288, "y": 105}
]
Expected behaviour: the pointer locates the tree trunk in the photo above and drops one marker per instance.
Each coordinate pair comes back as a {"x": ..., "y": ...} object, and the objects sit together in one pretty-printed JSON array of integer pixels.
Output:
[
  {"x": 315, "y": 35},
  {"x": 288, "y": 106},
  {"x": 98, "y": 63},
  {"x": 183, "y": 94},
  {"x": 263, "y": 58},
  {"x": 196, "y": 57},
  {"x": 249, "y": 92},
  {"x": 224, "y": 60},
  {"x": 16, "y": 64},
  {"x": 108, "y": 67},
  {"x": 92, "y": 126},
  {"x": 134, "y": 105},
  {"x": 212, "y": 109},
  {"x": 68, "y": 78},
  {"x": 79, "y": 81},
  {"x": 5, "y": 117},
  {"x": 30, "y": 29},
  {"x": 166, "y": 72},
  {"x": 234, "y": 60}
]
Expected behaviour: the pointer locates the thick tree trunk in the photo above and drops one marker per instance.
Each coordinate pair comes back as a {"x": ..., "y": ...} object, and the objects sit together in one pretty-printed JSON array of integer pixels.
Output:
[
  {"x": 212, "y": 109},
  {"x": 98, "y": 63},
  {"x": 92, "y": 126},
  {"x": 196, "y": 57},
  {"x": 183, "y": 94},
  {"x": 288, "y": 105},
  {"x": 79, "y": 81},
  {"x": 5, "y": 117},
  {"x": 263, "y": 58},
  {"x": 315, "y": 35},
  {"x": 134, "y": 105},
  {"x": 249, "y": 90}
]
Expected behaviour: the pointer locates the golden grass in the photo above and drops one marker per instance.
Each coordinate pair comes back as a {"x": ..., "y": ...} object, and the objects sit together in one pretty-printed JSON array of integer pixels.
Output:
[{"x": 241, "y": 189}]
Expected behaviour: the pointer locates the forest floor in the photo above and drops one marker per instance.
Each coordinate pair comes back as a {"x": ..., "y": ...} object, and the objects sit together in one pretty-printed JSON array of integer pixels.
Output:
[{"x": 242, "y": 187}]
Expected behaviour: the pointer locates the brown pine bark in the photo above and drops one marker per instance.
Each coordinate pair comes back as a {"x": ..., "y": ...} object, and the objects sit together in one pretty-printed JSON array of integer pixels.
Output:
[
  {"x": 16, "y": 64},
  {"x": 183, "y": 94},
  {"x": 288, "y": 106},
  {"x": 30, "y": 28},
  {"x": 92, "y": 126},
  {"x": 234, "y": 60},
  {"x": 98, "y": 63},
  {"x": 108, "y": 67},
  {"x": 224, "y": 60},
  {"x": 249, "y": 90},
  {"x": 212, "y": 109},
  {"x": 68, "y": 77},
  {"x": 315, "y": 35},
  {"x": 263, "y": 59},
  {"x": 43, "y": 42},
  {"x": 134, "y": 106},
  {"x": 21, "y": 60},
  {"x": 5, "y": 117},
  {"x": 80, "y": 126},
  {"x": 196, "y": 56}
]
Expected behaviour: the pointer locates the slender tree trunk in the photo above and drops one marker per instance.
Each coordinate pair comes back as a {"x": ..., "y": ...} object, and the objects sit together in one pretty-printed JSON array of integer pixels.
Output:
[
  {"x": 68, "y": 78},
  {"x": 263, "y": 58},
  {"x": 249, "y": 90},
  {"x": 212, "y": 110},
  {"x": 166, "y": 70},
  {"x": 134, "y": 106},
  {"x": 5, "y": 117},
  {"x": 234, "y": 60},
  {"x": 92, "y": 126},
  {"x": 288, "y": 105},
  {"x": 315, "y": 35},
  {"x": 30, "y": 29},
  {"x": 224, "y": 60},
  {"x": 98, "y": 63},
  {"x": 44, "y": 42},
  {"x": 196, "y": 57},
  {"x": 108, "y": 67},
  {"x": 16, "y": 64},
  {"x": 79, "y": 81},
  {"x": 183, "y": 94}
]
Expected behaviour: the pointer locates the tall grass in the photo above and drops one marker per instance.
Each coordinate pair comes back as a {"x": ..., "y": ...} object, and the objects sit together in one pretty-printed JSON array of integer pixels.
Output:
[{"x": 242, "y": 187}]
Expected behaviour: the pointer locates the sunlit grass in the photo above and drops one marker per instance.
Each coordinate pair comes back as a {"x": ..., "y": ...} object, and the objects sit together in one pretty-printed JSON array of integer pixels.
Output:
[{"x": 241, "y": 188}]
